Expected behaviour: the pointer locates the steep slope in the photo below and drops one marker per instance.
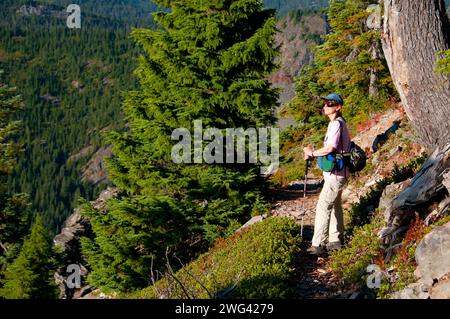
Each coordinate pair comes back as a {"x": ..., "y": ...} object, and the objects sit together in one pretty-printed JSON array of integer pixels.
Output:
[
  {"x": 299, "y": 32},
  {"x": 283, "y": 7}
]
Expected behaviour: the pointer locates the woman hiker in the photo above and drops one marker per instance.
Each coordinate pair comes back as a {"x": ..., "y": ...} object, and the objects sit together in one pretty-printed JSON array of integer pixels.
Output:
[{"x": 329, "y": 220}]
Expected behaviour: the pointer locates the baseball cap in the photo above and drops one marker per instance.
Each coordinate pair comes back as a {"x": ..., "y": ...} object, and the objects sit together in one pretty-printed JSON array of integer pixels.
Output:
[{"x": 334, "y": 97}]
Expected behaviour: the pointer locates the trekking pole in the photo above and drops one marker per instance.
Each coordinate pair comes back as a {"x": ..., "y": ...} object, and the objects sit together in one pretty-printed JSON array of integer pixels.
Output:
[{"x": 304, "y": 196}]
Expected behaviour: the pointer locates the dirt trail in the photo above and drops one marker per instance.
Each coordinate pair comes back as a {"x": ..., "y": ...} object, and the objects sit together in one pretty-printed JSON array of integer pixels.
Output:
[{"x": 313, "y": 279}]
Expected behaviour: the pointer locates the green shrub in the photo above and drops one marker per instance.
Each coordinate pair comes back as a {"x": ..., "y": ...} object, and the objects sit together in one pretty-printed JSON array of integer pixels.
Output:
[
  {"x": 359, "y": 214},
  {"x": 403, "y": 262},
  {"x": 349, "y": 264},
  {"x": 443, "y": 65},
  {"x": 258, "y": 259}
]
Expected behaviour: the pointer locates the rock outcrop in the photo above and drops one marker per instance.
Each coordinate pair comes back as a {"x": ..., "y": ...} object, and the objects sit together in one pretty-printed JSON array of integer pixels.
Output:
[
  {"x": 381, "y": 127},
  {"x": 95, "y": 170},
  {"x": 40, "y": 10},
  {"x": 85, "y": 151},
  {"x": 433, "y": 255},
  {"x": 29, "y": 10},
  {"x": 433, "y": 260},
  {"x": 68, "y": 243},
  {"x": 53, "y": 100}
]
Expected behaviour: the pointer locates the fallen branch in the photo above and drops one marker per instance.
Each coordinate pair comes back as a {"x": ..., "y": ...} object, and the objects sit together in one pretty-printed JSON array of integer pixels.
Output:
[
  {"x": 195, "y": 278},
  {"x": 426, "y": 186},
  {"x": 172, "y": 274}
]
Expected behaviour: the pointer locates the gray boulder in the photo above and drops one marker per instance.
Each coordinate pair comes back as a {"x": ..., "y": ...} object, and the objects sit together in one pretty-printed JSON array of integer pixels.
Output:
[
  {"x": 252, "y": 221},
  {"x": 433, "y": 254},
  {"x": 433, "y": 260},
  {"x": 441, "y": 290},
  {"x": 374, "y": 20},
  {"x": 414, "y": 291}
]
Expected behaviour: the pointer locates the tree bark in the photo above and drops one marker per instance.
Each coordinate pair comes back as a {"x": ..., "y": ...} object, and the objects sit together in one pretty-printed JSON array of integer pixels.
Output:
[
  {"x": 375, "y": 53},
  {"x": 413, "y": 32}
]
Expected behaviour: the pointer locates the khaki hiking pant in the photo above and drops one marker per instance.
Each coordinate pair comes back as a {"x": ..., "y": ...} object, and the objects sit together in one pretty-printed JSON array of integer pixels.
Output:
[{"x": 329, "y": 221}]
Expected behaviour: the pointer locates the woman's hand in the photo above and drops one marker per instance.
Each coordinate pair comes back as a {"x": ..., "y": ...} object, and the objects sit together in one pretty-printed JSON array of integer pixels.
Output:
[{"x": 308, "y": 152}]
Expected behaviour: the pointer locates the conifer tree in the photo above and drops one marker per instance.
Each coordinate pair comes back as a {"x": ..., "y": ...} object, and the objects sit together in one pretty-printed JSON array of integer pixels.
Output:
[
  {"x": 207, "y": 61},
  {"x": 30, "y": 275},
  {"x": 13, "y": 207},
  {"x": 349, "y": 62}
]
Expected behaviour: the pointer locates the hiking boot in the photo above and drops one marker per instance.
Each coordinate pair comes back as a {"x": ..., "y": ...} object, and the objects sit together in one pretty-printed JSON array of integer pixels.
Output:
[
  {"x": 335, "y": 245},
  {"x": 313, "y": 250}
]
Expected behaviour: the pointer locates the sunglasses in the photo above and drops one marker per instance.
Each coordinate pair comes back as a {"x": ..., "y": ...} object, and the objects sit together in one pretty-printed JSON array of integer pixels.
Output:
[{"x": 330, "y": 104}]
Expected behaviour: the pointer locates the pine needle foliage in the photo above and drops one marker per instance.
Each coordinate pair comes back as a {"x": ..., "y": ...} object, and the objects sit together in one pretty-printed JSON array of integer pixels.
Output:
[
  {"x": 30, "y": 276},
  {"x": 13, "y": 207},
  {"x": 208, "y": 61}
]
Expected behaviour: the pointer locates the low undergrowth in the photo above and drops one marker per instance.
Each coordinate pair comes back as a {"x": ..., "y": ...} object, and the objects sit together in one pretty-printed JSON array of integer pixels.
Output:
[
  {"x": 403, "y": 263},
  {"x": 254, "y": 263},
  {"x": 364, "y": 248},
  {"x": 349, "y": 264},
  {"x": 359, "y": 214}
]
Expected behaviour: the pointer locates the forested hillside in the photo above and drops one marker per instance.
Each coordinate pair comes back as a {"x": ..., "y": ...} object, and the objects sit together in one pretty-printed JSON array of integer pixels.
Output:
[
  {"x": 133, "y": 12},
  {"x": 397, "y": 213},
  {"x": 285, "y": 6},
  {"x": 70, "y": 81},
  {"x": 195, "y": 68}
]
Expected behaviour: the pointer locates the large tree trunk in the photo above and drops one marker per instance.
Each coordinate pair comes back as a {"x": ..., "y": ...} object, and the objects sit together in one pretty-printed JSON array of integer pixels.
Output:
[{"x": 413, "y": 32}]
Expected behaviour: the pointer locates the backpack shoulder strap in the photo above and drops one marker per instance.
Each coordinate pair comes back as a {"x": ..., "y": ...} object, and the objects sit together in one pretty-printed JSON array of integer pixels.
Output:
[{"x": 342, "y": 145}]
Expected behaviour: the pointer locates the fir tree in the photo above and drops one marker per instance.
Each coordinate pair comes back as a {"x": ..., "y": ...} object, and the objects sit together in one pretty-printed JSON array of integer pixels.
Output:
[
  {"x": 30, "y": 275},
  {"x": 208, "y": 61},
  {"x": 13, "y": 207},
  {"x": 349, "y": 62}
]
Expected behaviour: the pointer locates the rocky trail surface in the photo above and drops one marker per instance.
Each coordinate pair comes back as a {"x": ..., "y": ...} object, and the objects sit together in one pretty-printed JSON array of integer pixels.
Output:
[{"x": 313, "y": 278}]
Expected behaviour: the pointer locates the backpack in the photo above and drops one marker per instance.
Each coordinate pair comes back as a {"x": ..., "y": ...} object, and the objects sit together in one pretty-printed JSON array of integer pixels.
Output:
[{"x": 356, "y": 158}]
